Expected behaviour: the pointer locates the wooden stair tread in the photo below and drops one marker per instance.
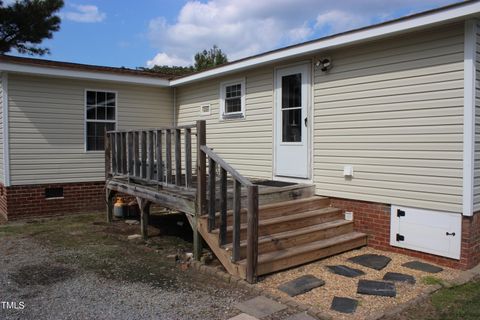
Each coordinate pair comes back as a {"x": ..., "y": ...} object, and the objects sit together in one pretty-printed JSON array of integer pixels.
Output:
[
  {"x": 281, "y": 219},
  {"x": 292, "y": 202},
  {"x": 275, "y": 205},
  {"x": 294, "y": 232},
  {"x": 316, "y": 245}
]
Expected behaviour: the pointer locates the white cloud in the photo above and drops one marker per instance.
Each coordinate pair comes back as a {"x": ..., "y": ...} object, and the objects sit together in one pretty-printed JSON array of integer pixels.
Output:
[
  {"x": 85, "y": 14},
  {"x": 163, "y": 59},
  {"x": 245, "y": 27}
]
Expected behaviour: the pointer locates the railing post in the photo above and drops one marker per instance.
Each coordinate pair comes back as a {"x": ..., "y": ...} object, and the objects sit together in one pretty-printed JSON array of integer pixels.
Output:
[
  {"x": 223, "y": 207},
  {"x": 159, "y": 157},
  {"x": 237, "y": 196},
  {"x": 143, "y": 146},
  {"x": 124, "y": 152},
  {"x": 252, "y": 234},
  {"x": 212, "y": 201},
  {"x": 168, "y": 155},
  {"x": 201, "y": 187},
  {"x": 188, "y": 158},
  {"x": 178, "y": 157},
  {"x": 201, "y": 168},
  {"x": 108, "y": 156},
  {"x": 151, "y": 156}
]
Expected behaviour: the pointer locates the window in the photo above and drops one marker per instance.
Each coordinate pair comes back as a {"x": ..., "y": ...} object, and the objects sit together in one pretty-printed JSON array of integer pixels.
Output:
[
  {"x": 232, "y": 99},
  {"x": 100, "y": 116}
]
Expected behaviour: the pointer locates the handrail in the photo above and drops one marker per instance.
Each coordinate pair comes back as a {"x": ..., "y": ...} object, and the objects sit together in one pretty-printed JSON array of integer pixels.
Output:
[
  {"x": 239, "y": 181},
  {"x": 152, "y": 156},
  {"x": 189, "y": 126},
  {"x": 235, "y": 174}
]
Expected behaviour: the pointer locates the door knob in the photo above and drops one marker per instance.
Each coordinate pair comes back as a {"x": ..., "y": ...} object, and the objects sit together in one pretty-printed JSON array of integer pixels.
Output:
[{"x": 306, "y": 121}]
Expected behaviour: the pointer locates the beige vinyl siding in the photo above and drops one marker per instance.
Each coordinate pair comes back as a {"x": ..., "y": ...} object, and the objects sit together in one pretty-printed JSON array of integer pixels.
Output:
[
  {"x": 47, "y": 121},
  {"x": 394, "y": 110},
  {"x": 246, "y": 144},
  {"x": 2, "y": 177},
  {"x": 476, "y": 182}
]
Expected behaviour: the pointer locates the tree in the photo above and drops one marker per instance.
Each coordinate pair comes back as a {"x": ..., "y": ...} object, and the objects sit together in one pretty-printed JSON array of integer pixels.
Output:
[
  {"x": 208, "y": 59},
  {"x": 174, "y": 71},
  {"x": 203, "y": 60},
  {"x": 24, "y": 24}
]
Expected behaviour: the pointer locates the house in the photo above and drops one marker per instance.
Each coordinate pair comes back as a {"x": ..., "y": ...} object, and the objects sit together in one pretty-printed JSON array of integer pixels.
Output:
[{"x": 382, "y": 120}]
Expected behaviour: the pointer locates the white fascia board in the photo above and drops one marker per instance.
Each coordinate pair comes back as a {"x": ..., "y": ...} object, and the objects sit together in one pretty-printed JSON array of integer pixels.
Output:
[
  {"x": 469, "y": 115},
  {"x": 461, "y": 12},
  {"x": 6, "y": 139},
  {"x": 84, "y": 75}
]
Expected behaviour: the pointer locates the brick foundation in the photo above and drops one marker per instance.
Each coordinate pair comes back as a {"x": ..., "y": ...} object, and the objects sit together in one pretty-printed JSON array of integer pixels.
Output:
[
  {"x": 374, "y": 220},
  {"x": 19, "y": 202}
]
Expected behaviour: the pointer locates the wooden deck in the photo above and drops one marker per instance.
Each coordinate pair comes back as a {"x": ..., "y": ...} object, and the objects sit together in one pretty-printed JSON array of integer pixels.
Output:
[
  {"x": 184, "y": 199},
  {"x": 253, "y": 226}
]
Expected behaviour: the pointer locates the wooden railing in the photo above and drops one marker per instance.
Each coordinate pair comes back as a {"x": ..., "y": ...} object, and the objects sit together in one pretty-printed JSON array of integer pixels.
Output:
[
  {"x": 210, "y": 207},
  {"x": 153, "y": 156}
]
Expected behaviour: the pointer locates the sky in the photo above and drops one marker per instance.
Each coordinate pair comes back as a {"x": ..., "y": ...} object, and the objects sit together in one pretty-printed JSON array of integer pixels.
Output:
[{"x": 143, "y": 33}]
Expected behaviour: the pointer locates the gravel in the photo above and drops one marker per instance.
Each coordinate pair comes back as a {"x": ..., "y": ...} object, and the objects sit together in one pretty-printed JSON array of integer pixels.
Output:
[
  {"x": 336, "y": 285},
  {"x": 32, "y": 274}
]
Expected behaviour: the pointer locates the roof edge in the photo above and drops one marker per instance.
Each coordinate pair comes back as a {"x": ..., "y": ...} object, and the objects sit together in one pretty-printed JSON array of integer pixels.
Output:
[{"x": 80, "y": 71}]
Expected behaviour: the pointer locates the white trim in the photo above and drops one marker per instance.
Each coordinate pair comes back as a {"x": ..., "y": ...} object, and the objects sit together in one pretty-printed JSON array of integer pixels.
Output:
[
  {"x": 405, "y": 25},
  {"x": 85, "y": 120},
  {"x": 6, "y": 139},
  {"x": 469, "y": 115},
  {"x": 89, "y": 75},
  {"x": 223, "y": 85}
]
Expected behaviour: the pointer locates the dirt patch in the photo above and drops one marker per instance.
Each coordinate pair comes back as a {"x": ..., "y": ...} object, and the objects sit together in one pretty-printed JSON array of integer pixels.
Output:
[{"x": 41, "y": 274}]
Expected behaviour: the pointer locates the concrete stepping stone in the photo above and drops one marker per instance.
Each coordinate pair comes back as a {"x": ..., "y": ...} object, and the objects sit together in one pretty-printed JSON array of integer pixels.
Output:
[
  {"x": 301, "y": 316},
  {"x": 243, "y": 316},
  {"x": 260, "y": 307},
  {"x": 373, "y": 261},
  {"x": 301, "y": 285},
  {"x": 346, "y": 271},
  {"x": 377, "y": 288},
  {"x": 344, "y": 305},
  {"x": 399, "y": 277},
  {"x": 422, "y": 266}
]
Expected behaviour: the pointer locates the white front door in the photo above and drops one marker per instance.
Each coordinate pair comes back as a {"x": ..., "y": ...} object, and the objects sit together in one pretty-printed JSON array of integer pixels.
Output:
[{"x": 292, "y": 87}]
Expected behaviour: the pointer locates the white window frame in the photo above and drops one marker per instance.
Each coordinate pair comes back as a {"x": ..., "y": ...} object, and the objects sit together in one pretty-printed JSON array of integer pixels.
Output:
[
  {"x": 85, "y": 120},
  {"x": 232, "y": 115}
]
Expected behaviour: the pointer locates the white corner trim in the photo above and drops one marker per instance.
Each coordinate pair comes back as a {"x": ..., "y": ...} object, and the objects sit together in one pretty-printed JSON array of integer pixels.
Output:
[
  {"x": 89, "y": 75},
  {"x": 463, "y": 11},
  {"x": 469, "y": 115},
  {"x": 6, "y": 140}
]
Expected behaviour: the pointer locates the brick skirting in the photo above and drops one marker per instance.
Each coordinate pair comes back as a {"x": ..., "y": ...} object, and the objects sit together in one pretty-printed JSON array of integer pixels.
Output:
[
  {"x": 374, "y": 220},
  {"x": 28, "y": 201}
]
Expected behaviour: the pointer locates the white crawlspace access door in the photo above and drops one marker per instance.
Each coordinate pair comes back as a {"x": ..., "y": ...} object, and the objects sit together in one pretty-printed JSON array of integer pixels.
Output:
[
  {"x": 292, "y": 88},
  {"x": 429, "y": 231}
]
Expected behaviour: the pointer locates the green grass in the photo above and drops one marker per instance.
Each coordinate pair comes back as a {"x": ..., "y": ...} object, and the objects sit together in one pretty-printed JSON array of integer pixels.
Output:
[
  {"x": 460, "y": 302},
  {"x": 431, "y": 280}
]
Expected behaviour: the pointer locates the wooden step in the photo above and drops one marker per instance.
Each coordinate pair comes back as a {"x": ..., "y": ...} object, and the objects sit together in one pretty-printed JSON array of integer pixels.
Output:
[
  {"x": 288, "y": 222},
  {"x": 291, "y": 238},
  {"x": 281, "y": 209},
  {"x": 298, "y": 255}
]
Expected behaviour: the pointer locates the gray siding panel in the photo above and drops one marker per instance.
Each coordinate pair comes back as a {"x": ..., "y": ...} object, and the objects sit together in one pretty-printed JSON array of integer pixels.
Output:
[
  {"x": 394, "y": 110},
  {"x": 244, "y": 143},
  {"x": 476, "y": 174},
  {"x": 47, "y": 126}
]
